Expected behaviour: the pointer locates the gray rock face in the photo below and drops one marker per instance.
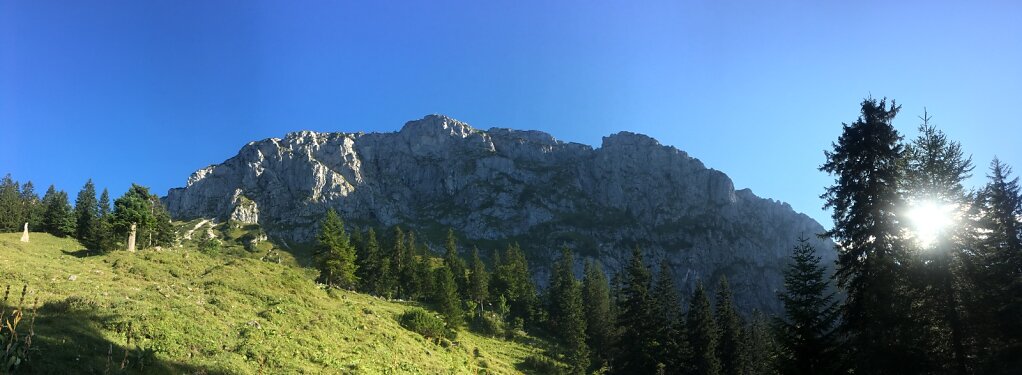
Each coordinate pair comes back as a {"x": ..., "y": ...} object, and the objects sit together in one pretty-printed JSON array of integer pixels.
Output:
[{"x": 505, "y": 184}]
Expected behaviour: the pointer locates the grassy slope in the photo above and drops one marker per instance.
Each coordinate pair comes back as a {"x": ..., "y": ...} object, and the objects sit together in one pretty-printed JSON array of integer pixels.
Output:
[{"x": 198, "y": 313}]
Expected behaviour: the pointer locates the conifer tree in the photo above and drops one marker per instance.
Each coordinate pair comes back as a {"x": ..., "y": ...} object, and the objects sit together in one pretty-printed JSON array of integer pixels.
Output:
[
  {"x": 395, "y": 265},
  {"x": 32, "y": 211},
  {"x": 866, "y": 163},
  {"x": 996, "y": 271},
  {"x": 445, "y": 297},
  {"x": 512, "y": 279},
  {"x": 104, "y": 203},
  {"x": 599, "y": 321},
  {"x": 761, "y": 346},
  {"x": 371, "y": 266},
  {"x": 635, "y": 350},
  {"x": 479, "y": 280},
  {"x": 457, "y": 266},
  {"x": 409, "y": 276},
  {"x": 144, "y": 209},
  {"x": 566, "y": 313},
  {"x": 702, "y": 334},
  {"x": 730, "y": 351},
  {"x": 86, "y": 213},
  {"x": 806, "y": 333},
  {"x": 670, "y": 347},
  {"x": 338, "y": 266},
  {"x": 58, "y": 216},
  {"x": 11, "y": 207}
]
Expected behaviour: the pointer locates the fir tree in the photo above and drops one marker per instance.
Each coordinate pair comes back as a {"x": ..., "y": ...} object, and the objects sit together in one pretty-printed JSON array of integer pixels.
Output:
[
  {"x": 457, "y": 265},
  {"x": 58, "y": 216},
  {"x": 512, "y": 280},
  {"x": 670, "y": 346},
  {"x": 996, "y": 272},
  {"x": 11, "y": 207},
  {"x": 566, "y": 313},
  {"x": 86, "y": 213},
  {"x": 702, "y": 335},
  {"x": 371, "y": 266},
  {"x": 479, "y": 280},
  {"x": 730, "y": 351},
  {"x": 761, "y": 346},
  {"x": 806, "y": 333},
  {"x": 338, "y": 266},
  {"x": 32, "y": 211},
  {"x": 445, "y": 297},
  {"x": 635, "y": 350},
  {"x": 599, "y": 321},
  {"x": 409, "y": 276},
  {"x": 865, "y": 198}
]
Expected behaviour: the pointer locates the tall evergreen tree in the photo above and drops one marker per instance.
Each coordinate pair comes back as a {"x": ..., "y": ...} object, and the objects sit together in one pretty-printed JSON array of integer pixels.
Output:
[
  {"x": 479, "y": 280},
  {"x": 445, "y": 297},
  {"x": 512, "y": 280},
  {"x": 409, "y": 276},
  {"x": 86, "y": 212},
  {"x": 58, "y": 216},
  {"x": 11, "y": 207},
  {"x": 599, "y": 321},
  {"x": 338, "y": 266},
  {"x": 702, "y": 334},
  {"x": 104, "y": 203},
  {"x": 32, "y": 211},
  {"x": 457, "y": 265},
  {"x": 996, "y": 271},
  {"x": 865, "y": 198},
  {"x": 761, "y": 346},
  {"x": 935, "y": 170},
  {"x": 670, "y": 347},
  {"x": 567, "y": 317},
  {"x": 806, "y": 333},
  {"x": 371, "y": 264},
  {"x": 730, "y": 351},
  {"x": 138, "y": 206},
  {"x": 635, "y": 349}
]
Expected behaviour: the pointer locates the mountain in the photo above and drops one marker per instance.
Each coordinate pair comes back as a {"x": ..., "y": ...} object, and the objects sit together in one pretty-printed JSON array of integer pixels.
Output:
[{"x": 504, "y": 185}]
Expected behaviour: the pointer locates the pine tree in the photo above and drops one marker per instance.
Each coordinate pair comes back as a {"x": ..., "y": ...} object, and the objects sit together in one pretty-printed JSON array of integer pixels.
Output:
[
  {"x": 338, "y": 255},
  {"x": 457, "y": 266},
  {"x": 670, "y": 348},
  {"x": 86, "y": 212},
  {"x": 599, "y": 321},
  {"x": 371, "y": 265},
  {"x": 733, "y": 359},
  {"x": 32, "y": 210},
  {"x": 935, "y": 170},
  {"x": 566, "y": 313},
  {"x": 761, "y": 346},
  {"x": 702, "y": 334},
  {"x": 865, "y": 198},
  {"x": 806, "y": 333},
  {"x": 58, "y": 216},
  {"x": 635, "y": 349},
  {"x": 104, "y": 203},
  {"x": 512, "y": 280},
  {"x": 409, "y": 276},
  {"x": 479, "y": 280},
  {"x": 996, "y": 272},
  {"x": 140, "y": 207},
  {"x": 445, "y": 297},
  {"x": 11, "y": 207}
]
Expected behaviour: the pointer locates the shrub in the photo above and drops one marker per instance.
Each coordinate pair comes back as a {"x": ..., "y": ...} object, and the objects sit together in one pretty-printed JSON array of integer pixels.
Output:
[
  {"x": 541, "y": 364},
  {"x": 426, "y": 324},
  {"x": 489, "y": 324}
]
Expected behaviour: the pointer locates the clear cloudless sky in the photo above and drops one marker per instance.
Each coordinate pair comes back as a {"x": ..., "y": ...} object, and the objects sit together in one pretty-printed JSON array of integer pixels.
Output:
[{"x": 150, "y": 91}]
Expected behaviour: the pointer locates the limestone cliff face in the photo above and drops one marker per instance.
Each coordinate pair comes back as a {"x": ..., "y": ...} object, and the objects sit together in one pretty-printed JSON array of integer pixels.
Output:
[{"x": 505, "y": 184}]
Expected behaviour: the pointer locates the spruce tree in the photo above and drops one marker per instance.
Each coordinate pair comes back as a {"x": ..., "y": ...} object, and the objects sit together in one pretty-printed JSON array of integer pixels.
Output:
[
  {"x": 599, "y": 321},
  {"x": 865, "y": 200},
  {"x": 370, "y": 263},
  {"x": 635, "y": 350},
  {"x": 32, "y": 210},
  {"x": 761, "y": 346},
  {"x": 86, "y": 213},
  {"x": 670, "y": 347},
  {"x": 806, "y": 333},
  {"x": 58, "y": 216},
  {"x": 445, "y": 297},
  {"x": 702, "y": 334},
  {"x": 566, "y": 313},
  {"x": 512, "y": 279},
  {"x": 11, "y": 207},
  {"x": 996, "y": 272},
  {"x": 338, "y": 266},
  {"x": 730, "y": 351},
  {"x": 454, "y": 262},
  {"x": 479, "y": 280},
  {"x": 409, "y": 276}
]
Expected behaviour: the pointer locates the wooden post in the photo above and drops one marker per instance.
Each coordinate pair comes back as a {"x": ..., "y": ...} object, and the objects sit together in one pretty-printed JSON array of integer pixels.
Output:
[
  {"x": 131, "y": 239},
  {"x": 24, "y": 235}
]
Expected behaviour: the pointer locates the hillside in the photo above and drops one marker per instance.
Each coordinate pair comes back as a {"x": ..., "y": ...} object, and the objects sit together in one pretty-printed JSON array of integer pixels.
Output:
[
  {"x": 501, "y": 185},
  {"x": 191, "y": 312}
]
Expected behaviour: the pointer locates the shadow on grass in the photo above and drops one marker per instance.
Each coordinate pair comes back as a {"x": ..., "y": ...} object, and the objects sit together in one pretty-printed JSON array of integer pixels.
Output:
[
  {"x": 83, "y": 253},
  {"x": 67, "y": 341}
]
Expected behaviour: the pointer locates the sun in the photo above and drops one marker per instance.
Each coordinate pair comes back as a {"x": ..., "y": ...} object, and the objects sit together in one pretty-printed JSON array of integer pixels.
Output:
[{"x": 929, "y": 219}]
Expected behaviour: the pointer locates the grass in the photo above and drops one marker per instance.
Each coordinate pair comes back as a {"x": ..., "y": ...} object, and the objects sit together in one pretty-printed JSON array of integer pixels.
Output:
[{"x": 182, "y": 311}]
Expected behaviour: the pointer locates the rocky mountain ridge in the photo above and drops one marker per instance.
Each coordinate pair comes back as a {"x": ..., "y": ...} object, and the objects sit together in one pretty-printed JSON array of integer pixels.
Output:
[{"x": 510, "y": 185}]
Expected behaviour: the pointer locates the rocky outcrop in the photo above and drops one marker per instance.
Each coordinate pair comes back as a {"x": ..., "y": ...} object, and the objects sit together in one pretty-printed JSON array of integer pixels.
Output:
[{"x": 504, "y": 184}]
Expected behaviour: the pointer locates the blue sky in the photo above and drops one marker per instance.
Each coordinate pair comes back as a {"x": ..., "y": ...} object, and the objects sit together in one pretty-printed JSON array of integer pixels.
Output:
[{"x": 150, "y": 91}]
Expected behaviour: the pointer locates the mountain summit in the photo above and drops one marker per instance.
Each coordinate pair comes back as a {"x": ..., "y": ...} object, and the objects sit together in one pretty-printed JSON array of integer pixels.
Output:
[{"x": 504, "y": 185}]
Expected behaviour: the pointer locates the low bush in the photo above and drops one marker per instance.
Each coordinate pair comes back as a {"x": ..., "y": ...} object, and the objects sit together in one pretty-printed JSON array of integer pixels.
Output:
[{"x": 425, "y": 323}]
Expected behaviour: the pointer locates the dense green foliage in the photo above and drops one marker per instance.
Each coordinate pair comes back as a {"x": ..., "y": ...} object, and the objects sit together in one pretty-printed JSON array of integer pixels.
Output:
[
  {"x": 807, "y": 332},
  {"x": 425, "y": 323},
  {"x": 337, "y": 254}
]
